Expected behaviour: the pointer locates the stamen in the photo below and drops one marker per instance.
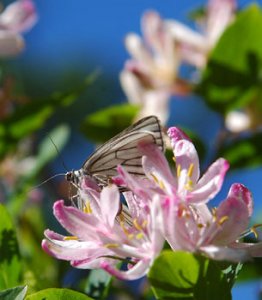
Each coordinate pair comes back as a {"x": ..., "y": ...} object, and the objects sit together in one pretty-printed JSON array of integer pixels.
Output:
[
  {"x": 222, "y": 220},
  {"x": 178, "y": 170},
  {"x": 137, "y": 226},
  {"x": 190, "y": 170},
  {"x": 140, "y": 235},
  {"x": 161, "y": 185},
  {"x": 174, "y": 158},
  {"x": 154, "y": 177},
  {"x": 253, "y": 229},
  {"x": 130, "y": 236},
  {"x": 189, "y": 185},
  {"x": 200, "y": 225},
  {"x": 87, "y": 208},
  {"x": 111, "y": 245},
  {"x": 214, "y": 213},
  {"x": 70, "y": 238},
  {"x": 144, "y": 223},
  {"x": 122, "y": 224}
]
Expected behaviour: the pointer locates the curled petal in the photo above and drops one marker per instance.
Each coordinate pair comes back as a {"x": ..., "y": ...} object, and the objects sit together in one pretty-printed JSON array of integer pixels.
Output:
[
  {"x": 75, "y": 221},
  {"x": 254, "y": 250},
  {"x": 139, "y": 270},
  {"x": 231, "y": 220},
  {"x": 175, "y": 134},
  {"x": 210, "y": 183},
  {"x": 92, "y": 263},
  {"x": 242, "y": 193},
  {"x": 225, "y": 253},
  {"x": 70, "y": 249}
]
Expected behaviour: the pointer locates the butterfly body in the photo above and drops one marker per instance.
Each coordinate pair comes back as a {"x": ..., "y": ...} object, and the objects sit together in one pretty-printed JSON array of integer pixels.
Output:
[{"x": 123, "y": 150}]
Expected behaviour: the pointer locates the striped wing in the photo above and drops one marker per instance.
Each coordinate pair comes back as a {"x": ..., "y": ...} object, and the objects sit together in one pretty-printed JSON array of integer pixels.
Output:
[{"x": 122, "y": 150}]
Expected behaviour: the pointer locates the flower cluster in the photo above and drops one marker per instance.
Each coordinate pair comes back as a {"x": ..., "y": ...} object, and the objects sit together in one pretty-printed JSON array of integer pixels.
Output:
[
  {"x": 17, "y": 17},
  {"x": 151, "y": 76},
  {"x": 161, "y": 207}
]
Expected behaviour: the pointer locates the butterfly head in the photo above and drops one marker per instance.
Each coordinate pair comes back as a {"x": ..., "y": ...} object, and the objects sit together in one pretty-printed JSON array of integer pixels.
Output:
[{"x": 70, "y": 176}]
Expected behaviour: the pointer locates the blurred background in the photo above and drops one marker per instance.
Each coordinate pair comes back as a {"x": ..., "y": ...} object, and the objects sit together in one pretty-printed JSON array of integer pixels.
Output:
[{"x": 76, "y": 50}]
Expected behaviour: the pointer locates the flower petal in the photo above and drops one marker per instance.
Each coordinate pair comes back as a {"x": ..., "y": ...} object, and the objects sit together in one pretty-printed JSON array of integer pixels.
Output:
[
  {"x": 231, "y": 220},
  {"x": 156, "y": 167},
  {"x": 110, "y": 204},
  {"x": 93, "y": 263},
  {"x": 70, "y": 249},
  {"x": 135, "y": 272},
  {"x": 254, "y": 249},
  {"x": 242, "y": 193},
  {"x": 75, "y": 221},
  {"x": 224, "y": 253},
  {"x": 210, "y": 183},
  {"x": 18, "y": 16}
]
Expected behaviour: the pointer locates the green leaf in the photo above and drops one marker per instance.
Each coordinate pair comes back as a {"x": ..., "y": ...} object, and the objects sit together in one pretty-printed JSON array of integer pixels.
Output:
[
  {"x": 243, "y": 153},
  {"x": 10, "y": 264},
  {"x": 16, "y": 293},
  {"x": 251, "y": 270},
  {"x": 232, "y": 77},
  {"x": 182, "y": 275},
  {"x": 104, "y": 124},
  {"x": 57, "y": 294},
  {"x": 98, "y": 284}
]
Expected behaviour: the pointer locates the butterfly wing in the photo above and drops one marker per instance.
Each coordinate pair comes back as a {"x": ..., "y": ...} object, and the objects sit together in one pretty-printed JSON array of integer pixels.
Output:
[{"x": 122, "y": 150}]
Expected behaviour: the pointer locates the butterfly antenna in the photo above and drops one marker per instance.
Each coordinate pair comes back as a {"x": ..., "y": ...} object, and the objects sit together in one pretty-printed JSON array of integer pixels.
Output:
[
  {"x": 59, "y": 154},
  {"x": 48, "y": 179}
]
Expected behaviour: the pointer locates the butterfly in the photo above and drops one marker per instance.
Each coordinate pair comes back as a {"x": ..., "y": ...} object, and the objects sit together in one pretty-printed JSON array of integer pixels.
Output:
[{"x": 123, "y": 150}]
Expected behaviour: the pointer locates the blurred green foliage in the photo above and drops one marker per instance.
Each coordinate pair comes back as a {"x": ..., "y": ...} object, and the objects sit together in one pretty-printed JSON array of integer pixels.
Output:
[{"x": 232, "y": 77}]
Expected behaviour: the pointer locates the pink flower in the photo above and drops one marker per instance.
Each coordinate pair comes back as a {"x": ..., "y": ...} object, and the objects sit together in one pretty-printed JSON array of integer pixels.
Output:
[
  {"x": 187, "y": 185},
  {"x": 150, "y": 77},
  {"x": 18, "y": 17},
  {"x": 105, "y": 234},
  {"x": 195, "y": 46},
  {"x": 215, "y": 233}
]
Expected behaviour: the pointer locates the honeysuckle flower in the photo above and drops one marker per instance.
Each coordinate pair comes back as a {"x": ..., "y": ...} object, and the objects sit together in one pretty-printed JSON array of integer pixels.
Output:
[
  {"x": 103, "y": 234},
  {"x": 215, "y": 233},
  {"x": 150, "y": 77},
  {"x": 195, "y": 46},
  {"x": 18, "y": 17},
  {"x": 186, "y": 185}
]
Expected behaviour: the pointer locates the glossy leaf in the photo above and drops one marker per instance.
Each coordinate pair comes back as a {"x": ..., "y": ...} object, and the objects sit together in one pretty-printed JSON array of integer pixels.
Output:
[
  {"x": 104, "y": 124},
  {"x": 232, "y": 78},
  {"x": 182, "y": 275},
  {"x": 16, "y": 293},
  {"x": 243, "y": 153},
  {"x": 58, "y": 294},
  {"x": 10, "y": 264}
]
